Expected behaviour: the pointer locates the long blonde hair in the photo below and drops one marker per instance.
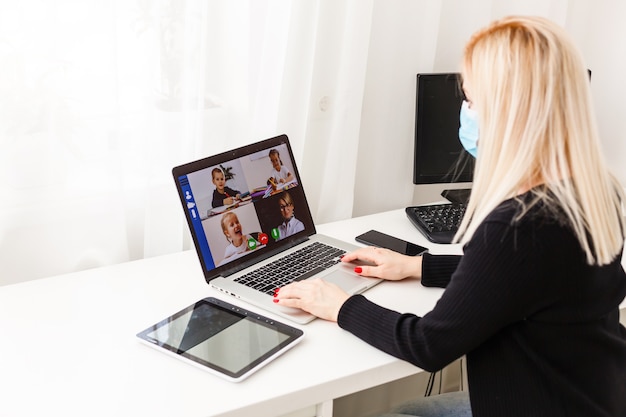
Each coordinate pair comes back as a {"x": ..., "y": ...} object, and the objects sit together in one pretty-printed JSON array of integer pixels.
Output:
[{"x": 537, "y": 127}]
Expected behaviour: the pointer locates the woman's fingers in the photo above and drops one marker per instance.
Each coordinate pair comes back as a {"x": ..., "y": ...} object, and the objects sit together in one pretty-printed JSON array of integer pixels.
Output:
[
  {"x": 315, "y": 296},
  {"x": 384, "y": 263}
]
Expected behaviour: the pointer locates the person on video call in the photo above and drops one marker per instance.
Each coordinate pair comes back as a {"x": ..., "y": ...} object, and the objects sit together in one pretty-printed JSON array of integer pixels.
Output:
[
  {"x": 290, "y": 224},
  {"x": 280, "y": 174},
  {"x": 238, "y": 241},
  {"x": 222, "y": 195},
  {"x": 533, "y": 301}
]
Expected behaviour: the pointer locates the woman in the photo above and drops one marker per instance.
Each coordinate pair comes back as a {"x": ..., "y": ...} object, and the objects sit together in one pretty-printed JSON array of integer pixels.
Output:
[{"x": 533, "y": 301}]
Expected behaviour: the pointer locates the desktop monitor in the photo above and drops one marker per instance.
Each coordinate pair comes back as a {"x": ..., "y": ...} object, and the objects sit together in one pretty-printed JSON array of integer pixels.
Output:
[{"x": 439, "y": 156}]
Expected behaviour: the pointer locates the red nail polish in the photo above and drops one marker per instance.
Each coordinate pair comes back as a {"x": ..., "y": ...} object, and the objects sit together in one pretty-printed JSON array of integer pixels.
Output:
[
  {"x": 276, "y": 290},
  {"x": 358, "y": 269},
  {"x": 275, "y": 300},
  {"x": 341, "y": 256}
]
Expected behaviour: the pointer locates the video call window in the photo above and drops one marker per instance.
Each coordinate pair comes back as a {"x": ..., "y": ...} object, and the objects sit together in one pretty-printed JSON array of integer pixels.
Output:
[{"x": 247, "y": 204}]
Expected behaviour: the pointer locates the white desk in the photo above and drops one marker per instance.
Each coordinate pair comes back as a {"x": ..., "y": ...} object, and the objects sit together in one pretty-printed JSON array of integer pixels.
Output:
[{"x": 69, "y": 347}]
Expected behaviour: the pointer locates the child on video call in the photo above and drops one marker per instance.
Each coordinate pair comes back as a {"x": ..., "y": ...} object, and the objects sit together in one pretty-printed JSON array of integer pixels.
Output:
[
  {"x": 234, "y": 234},
  {"x": 290, "y": 224},
  {"x": 222, "y": 195},
  {"x": 280, "y": 174}
]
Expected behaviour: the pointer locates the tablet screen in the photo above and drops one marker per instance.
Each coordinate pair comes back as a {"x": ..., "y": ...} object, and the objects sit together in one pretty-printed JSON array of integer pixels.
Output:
[{"x": 222, "y": 337}]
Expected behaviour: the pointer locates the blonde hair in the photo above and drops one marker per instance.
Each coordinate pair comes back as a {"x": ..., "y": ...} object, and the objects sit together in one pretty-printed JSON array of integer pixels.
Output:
[
  {"x": 537, "y": 127},
  {"x": 286, "y": 197}
]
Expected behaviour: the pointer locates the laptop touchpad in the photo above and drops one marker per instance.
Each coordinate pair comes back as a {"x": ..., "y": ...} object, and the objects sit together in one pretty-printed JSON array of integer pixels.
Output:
[{"x": 348, "y": 281}]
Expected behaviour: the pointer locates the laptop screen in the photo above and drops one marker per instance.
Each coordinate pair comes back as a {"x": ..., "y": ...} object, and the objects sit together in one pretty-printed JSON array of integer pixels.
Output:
[{"x": 244, "y": 205}]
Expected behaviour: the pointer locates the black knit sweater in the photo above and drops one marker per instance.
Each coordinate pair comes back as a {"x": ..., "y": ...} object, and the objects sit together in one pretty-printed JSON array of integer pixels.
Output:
[{"x": 540, "y": 327}]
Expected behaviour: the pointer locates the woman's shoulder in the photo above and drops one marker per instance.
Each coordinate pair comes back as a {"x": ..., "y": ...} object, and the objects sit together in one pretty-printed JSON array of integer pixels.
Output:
[
  {"x": 528, "y": 209},
  {"x": 514, "y": 226},
  {"x": 505, "y": 212}
]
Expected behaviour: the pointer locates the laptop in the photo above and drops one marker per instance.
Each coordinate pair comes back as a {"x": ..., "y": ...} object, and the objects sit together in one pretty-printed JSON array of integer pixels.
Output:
[{"x": 252, "y": 226}]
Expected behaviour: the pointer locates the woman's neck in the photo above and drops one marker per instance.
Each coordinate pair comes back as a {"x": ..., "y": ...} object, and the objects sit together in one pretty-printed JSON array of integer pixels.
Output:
[{"x": 529, "y": 186}]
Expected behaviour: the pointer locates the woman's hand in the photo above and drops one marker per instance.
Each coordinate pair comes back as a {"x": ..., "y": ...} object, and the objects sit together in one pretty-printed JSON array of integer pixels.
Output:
[
  {"x": 385, "y": 264},
  {"x": 324, "y": 299},
  {"x": 316, "y": 296}
]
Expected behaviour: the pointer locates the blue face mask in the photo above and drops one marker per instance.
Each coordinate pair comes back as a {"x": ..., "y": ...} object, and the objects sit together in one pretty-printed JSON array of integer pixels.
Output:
[{"x": 468, "y": 132}]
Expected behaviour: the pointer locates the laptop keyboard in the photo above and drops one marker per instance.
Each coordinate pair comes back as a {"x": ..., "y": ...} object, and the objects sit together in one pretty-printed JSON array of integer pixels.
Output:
[
  {"x": 296, "y": 266},
  {"x": 438, "y": 222}
]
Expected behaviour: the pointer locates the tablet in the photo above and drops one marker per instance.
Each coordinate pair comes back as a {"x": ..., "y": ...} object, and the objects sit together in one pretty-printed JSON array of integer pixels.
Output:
[{"x": 224, "y": 339}]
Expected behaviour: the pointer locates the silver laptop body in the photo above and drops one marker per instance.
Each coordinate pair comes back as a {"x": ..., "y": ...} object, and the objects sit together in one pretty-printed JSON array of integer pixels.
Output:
[{"x": 247, "y": 211}]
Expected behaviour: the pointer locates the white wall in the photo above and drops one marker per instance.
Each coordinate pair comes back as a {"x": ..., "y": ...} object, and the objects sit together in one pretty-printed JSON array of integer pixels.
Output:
[
  {"x": 599, "y": 29},
  {"x": 411, "y": 36}
]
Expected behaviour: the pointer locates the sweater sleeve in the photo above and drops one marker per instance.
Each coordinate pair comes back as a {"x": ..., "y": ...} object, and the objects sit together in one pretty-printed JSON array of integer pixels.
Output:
[
  {"x": 491, "y": 288},
  {"x": 437, "y": 269},
  {"x": 218, "y": 199}
]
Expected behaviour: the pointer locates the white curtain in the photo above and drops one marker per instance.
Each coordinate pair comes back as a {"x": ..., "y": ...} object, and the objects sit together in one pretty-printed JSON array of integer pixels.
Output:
[{"x": 99, "y": 99}]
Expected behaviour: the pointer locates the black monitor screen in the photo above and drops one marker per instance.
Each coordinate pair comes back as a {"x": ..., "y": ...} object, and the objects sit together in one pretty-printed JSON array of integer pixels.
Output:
[{"x": 439, "y": 156}]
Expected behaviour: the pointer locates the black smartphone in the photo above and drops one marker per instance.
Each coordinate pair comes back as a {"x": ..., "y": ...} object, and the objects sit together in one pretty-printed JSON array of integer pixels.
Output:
[{"x": 382, "y": 240}]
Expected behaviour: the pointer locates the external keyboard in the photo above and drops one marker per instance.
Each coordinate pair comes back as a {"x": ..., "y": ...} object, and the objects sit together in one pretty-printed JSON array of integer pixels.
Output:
[{"x": 438, "y": 222}]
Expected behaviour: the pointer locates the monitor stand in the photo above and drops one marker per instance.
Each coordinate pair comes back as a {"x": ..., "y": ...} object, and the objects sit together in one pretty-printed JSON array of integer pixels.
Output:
[{"x": 459, "y": 195}]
